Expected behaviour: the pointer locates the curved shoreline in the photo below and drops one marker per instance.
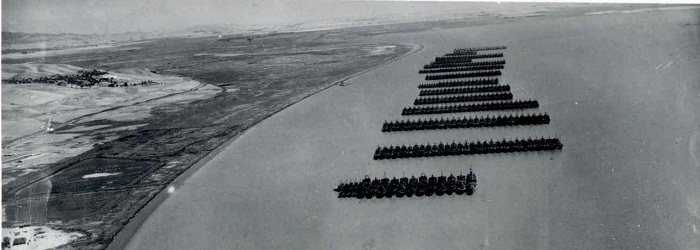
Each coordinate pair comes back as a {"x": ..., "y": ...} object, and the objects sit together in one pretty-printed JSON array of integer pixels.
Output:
[
  {"x": 124, "y": 236},
  {"x": 220, "y": 207}
]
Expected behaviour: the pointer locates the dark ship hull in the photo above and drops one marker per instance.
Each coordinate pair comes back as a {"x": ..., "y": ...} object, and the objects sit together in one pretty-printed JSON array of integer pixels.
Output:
[
  {"x": 459, "y": 83},
  {"x": 399, "y": 188},
  {"x": 470, "y": 189},
  {"x": 458, "y": 108},
  {"x": 466, "y": 122},
  {"x": 497, "y": 96},
  {"x": 464, "y": 90},
  {"x": 467, "y": 148}
]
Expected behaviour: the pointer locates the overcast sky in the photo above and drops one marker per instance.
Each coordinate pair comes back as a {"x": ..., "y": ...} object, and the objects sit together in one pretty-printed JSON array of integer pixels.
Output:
[
  {"x": 112, "y": 16},
  {"x": 99, "y": 16}
]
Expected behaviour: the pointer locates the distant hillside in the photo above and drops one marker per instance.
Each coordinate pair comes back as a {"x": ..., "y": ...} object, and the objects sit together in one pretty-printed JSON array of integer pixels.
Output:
[
  {"x": 31, "y": 70},
  {"x": 18, "y": 41},
  {"x": 13, "y": 42},
  {"x": 21, "y": 42}
]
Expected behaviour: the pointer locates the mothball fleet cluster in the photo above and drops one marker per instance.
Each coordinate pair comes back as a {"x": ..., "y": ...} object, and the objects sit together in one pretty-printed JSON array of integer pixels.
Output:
[{"x": 453, "y": 96}]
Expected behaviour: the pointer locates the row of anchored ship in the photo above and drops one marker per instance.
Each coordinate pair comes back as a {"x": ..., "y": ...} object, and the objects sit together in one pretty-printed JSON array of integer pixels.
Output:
[
  {"x": 435, "y": 98},
  {"x": 464, "y": 57},
  {"x": 465, "y": 90},
  {"x": 423, "y": 185},
  {"x": 458, "y": 108},
  {"x": 456, "y": 66},
  {"x": 461, "y": 184},
  {"x": 490, "y": 66},
  {"x": 467, "y": 148},
  {"x": 459, "y": 83},
  {"x": 466, "y": 122},
  {"x": 463, "y": 75},
  {"x": 463, "y": 98}
]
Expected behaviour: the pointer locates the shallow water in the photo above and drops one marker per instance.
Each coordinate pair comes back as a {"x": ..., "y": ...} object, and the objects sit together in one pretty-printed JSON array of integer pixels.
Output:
[{"x": 622, "y": 93}]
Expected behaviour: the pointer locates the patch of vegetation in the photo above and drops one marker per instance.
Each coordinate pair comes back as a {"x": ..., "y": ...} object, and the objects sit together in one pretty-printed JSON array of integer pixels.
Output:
[{"x": 83, "y": 79}]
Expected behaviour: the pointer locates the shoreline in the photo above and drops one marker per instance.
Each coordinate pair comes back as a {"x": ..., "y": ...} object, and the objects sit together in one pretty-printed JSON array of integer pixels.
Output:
[
  {"x": 248, "y": 198},
  {"x": 136, "y": 227},
  {"x": 122, "y": 239}
]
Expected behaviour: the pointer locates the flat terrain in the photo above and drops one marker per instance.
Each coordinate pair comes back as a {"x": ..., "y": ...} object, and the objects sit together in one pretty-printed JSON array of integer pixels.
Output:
[
  {"x": 103, "y": 163},
  {"x": 622, "y": 93},
  {"x": 79, "y": 118}
]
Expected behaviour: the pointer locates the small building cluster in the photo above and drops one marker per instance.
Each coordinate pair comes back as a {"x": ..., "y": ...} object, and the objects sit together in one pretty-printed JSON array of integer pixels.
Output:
[{"x": 83, "y": 79}]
